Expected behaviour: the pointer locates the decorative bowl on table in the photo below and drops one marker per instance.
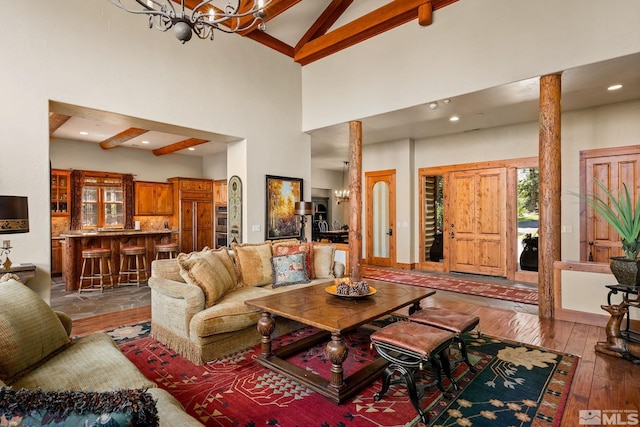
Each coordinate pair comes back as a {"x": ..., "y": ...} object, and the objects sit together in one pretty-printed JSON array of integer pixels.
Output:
[{"x": 348, "y": 289}]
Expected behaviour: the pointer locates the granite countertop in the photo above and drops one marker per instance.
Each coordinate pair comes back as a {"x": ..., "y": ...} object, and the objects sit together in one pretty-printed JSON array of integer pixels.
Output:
[{"x": 108, "y": 233}]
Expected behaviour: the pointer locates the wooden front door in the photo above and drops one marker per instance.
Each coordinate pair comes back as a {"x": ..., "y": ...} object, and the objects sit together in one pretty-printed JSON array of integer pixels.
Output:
[
  {"x": 476, "y": 231},
  {"x": 381, "y": 217}
]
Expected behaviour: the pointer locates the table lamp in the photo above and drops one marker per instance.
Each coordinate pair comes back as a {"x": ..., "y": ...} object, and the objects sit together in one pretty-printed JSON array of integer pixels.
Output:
[
  {"x": 14, "y": 218},
  {"x": 303, "y": 209}
]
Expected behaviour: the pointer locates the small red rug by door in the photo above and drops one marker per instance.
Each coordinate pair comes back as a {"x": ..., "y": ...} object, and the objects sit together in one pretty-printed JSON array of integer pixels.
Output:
[
  {"x": 516, "y": 383},
  {"x": 489, "y": 290}
]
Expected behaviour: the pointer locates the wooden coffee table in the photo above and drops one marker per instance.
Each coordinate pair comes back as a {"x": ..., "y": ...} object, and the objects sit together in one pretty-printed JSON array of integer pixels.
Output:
[{"x": 335, "y": 316}]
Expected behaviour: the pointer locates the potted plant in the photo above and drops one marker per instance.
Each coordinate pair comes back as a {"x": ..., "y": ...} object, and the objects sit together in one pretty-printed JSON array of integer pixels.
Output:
[{"x": 624, "y": 216}]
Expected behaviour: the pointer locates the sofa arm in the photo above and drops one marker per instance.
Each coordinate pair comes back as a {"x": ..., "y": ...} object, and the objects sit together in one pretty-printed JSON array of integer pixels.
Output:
[
  {"x": 173, "y": 304},
  {"x": 65, "y": 320}
]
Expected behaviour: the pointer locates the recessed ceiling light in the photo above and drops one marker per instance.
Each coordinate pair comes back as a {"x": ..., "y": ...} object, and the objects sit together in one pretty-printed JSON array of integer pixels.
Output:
[
  {"x": 145, "y": 142},
  {"x": 191, "y": 149},
  {"x": 614, "y": 87},
  {"x": 84, "y": 133},
  {"x": 454, "y": 119},
  {"x": 433, "y": 105}
]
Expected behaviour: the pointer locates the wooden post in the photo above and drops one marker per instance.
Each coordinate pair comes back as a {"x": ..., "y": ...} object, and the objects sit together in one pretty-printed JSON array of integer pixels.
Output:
[
  {"x": 550, "y": 187},
  {"x": 355, "y": 200}
]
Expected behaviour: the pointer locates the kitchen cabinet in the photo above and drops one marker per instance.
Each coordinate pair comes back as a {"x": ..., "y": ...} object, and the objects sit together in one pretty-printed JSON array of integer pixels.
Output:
[
  {"x": 220, "y": 192},
  {"x": 60, "y": 192},
  {"x": 56, "y": 257},
  {"x": 193, "y": 203},
  {"x": 153, "y": 198}
]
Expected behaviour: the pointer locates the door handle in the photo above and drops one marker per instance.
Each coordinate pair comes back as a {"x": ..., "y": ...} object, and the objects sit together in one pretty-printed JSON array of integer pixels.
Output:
[{"x": 390, "y": 232}]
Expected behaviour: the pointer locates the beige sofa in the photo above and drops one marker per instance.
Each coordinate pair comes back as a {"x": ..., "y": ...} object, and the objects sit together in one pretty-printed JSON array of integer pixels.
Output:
[
  {"x": 37, "y": 353},
  {"x": 204, "y": 321}
]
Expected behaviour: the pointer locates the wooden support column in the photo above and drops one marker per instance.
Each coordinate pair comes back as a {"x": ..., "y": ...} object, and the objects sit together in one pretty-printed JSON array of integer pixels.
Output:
[
  {"x": 355, "y": 200},
  {"x": 550, "y": 187}
]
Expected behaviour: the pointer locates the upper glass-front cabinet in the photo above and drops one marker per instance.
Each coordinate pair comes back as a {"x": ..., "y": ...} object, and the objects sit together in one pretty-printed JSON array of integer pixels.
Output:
[{"x": 60, "y": 192}]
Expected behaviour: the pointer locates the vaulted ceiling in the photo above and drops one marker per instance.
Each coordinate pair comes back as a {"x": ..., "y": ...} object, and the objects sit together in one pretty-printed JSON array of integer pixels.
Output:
[
  {"x": 292, "y": 30},
  {"x": 309, "y": 30}
]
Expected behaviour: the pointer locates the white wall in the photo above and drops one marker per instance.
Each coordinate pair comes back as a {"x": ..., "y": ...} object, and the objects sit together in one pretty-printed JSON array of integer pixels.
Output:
[
  {"x": 215, "y": 167},
  {"x": 144, "y": 165},
  {"x": 398, "y": 155},
  {"x": 471, "y": 45},
  {"x": 92, "y": 54}
]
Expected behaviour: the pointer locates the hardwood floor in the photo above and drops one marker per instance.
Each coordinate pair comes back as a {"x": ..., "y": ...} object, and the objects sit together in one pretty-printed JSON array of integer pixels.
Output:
[{"x": 601, "y": 382}]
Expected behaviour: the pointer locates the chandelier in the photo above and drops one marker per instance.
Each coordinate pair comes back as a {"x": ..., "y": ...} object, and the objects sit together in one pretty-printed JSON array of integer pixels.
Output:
[
  {"x": 342, "y": 196},
  {"x": 236, "y": 16}
]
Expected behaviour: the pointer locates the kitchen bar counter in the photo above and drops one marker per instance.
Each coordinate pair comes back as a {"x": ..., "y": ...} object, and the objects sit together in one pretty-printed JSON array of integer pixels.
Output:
[{"x": 75, "y": 241}]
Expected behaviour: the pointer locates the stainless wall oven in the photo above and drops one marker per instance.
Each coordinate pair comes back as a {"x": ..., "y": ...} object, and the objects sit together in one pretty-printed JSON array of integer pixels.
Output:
[{"x": 220, "y": 222}]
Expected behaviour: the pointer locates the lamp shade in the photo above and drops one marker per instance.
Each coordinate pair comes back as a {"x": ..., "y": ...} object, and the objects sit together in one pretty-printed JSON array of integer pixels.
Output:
[
  {"x": 303, "y": 208},
  {"x": 14, "y": 215}
]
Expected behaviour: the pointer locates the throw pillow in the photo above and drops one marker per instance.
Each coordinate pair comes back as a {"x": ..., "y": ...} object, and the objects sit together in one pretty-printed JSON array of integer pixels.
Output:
[
  {"x": 206, "y": 270},
  {"x": 287, "y": 248},
  {"x": 323, "y": 259},
  {"x": 76, "y": 408},
  {"x": 289, "y": 269},
  {"x": 253, "y": 263},
  {"x": 224, "y": 256},
  {"x": 29, "y": 330}
]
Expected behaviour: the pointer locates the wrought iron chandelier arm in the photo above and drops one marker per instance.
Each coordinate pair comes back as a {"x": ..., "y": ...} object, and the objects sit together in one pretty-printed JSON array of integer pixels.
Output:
[{"x": 201, "y": 22}]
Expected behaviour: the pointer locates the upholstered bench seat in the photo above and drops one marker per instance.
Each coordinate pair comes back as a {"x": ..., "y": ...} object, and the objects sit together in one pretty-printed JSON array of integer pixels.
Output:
[
  {"x": 407, "y": 345},
  {"x": 449, "y": 320}
]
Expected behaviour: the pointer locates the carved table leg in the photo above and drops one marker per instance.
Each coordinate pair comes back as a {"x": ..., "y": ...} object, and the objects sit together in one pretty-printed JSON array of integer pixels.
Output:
[
  {"x": 266, "y": 326},
  {"x": 337, "y": 352}
]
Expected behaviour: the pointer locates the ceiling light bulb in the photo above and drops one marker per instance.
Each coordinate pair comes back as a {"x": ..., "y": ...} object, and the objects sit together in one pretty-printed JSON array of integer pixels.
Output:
[
  {"x": 614, "y": 87},
  {"x": 454, "y": 118},
  {"x": 433, "y": 105},
  {"x": 191, "y": 149},
  {"x": 446, "y": 101},
  {"x": 145, "y": 142},
  {"x": 84, "y": 133}
]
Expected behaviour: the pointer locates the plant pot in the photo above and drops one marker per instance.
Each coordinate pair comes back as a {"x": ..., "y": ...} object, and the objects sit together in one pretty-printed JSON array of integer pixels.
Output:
[
  {"x": 626, "y": 271},
  {"x": 529, "y": 259}
]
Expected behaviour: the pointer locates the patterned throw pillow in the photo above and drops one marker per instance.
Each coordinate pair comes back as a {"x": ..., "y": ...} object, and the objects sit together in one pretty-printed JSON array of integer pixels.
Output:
[
  {"x": 77, "y": 408},
  {"x": 291, "y": 247},
  {"x": 207, "y": 271},
  {"x": 289, "y": 269},
  {"x": 253, "y": 263}
]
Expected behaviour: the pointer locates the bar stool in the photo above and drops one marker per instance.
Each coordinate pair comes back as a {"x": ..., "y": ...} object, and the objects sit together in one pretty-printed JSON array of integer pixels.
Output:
[
  {"x": 166, "y": 248},
  {"x": 136, "y": 255},
  {"x": 95, "y": 256},
  {"x": 451, "y": 321},
  {"x": 407, "y": 345}
]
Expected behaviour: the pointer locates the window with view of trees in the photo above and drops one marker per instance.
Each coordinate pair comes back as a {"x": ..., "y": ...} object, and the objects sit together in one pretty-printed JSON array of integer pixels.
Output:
[{"x": 102, "y": 202}]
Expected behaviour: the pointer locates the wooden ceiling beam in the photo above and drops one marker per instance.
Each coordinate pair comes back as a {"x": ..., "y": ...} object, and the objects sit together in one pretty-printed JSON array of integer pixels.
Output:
[
  {"x": 56, "y": 120},
  {"x": 180, "y": 145},
  {"x": 391, "y": 15},
  {"x": 121, "y": 138},
  {"x": 272, "y": 42},
  {"x": 324, "y": 22}
]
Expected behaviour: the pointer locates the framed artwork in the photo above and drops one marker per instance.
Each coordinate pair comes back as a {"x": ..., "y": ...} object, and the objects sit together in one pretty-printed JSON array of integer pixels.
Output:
[
  {"x": 282, "y": 194},
  {"x": 234, "y": 224}
]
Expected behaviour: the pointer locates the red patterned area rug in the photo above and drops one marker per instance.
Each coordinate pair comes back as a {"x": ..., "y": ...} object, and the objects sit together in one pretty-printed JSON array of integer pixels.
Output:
[
  {"x": 489, "y": 290},
  {"x": 516, "y": 384}
]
